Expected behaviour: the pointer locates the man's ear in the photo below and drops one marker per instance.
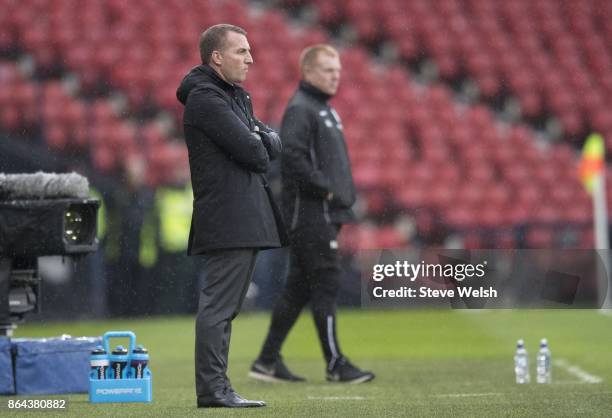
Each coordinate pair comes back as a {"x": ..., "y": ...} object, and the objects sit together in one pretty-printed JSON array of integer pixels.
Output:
[{"x": 216, "y": 57}]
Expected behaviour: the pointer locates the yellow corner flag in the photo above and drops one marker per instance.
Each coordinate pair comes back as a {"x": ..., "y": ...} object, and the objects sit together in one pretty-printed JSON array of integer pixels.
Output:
[{"x": 592, "y": 161}]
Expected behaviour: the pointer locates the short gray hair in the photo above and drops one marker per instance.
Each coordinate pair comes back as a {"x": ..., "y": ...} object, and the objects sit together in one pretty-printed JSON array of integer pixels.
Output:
[{"x": 213, "y": 39}]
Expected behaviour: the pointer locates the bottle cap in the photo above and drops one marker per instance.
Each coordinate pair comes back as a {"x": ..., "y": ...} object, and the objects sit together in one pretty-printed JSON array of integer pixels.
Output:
[
  {"x": 140, "y": 349},
  {"x": 120, "y": 350},
  {"x": 520, "y": 343},
  {"x": 543, "y": 342},
  {"x": 98, "y": 350}
]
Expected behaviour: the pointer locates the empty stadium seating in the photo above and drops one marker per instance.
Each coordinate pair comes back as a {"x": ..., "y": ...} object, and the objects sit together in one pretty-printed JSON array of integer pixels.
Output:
[
  {"x": 555, "y": 57},
  {"x": 415, "y": 145}
]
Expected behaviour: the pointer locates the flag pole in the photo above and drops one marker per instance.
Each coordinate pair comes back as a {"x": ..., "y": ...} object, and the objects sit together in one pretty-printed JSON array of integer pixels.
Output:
[
  {"x": 593, "y": 175},
  {"x": 600, "y": 225}
]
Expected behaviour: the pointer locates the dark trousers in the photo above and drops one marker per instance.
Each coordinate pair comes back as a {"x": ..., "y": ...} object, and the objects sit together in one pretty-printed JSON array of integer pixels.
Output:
[
  {"x": 227, "y": 274},
  {"x": 314, "y": 274}
]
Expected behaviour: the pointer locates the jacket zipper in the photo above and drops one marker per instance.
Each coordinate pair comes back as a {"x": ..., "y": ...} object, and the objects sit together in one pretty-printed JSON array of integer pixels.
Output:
[
  {"x": 313, "y": 157},
  {"x": 326, "y": 211},
  {"x": 296, "y": 210}
]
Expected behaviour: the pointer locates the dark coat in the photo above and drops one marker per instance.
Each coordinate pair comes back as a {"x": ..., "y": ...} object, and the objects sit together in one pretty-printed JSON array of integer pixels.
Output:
[
  {"x": 314, "y": 162},
  {"x": 233, "y": 206}
]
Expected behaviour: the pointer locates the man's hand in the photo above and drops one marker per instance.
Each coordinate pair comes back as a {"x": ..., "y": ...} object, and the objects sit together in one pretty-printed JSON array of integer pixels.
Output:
[
  {"x": 329, "y": 196},
  {"x": 272, "y": 142}
]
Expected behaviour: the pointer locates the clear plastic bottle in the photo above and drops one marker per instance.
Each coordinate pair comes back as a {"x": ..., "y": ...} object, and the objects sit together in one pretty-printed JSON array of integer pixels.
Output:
[
  {"x": 543, "y": 363},
  {"x": 521, "y": 363}
]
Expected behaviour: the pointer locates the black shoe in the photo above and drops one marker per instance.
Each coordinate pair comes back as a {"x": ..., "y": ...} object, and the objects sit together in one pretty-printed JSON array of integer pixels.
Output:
[
  {"x": 343, "y": 371},
  {"x": 228, "y": 399},
  {"x": 275, "y": 372}
]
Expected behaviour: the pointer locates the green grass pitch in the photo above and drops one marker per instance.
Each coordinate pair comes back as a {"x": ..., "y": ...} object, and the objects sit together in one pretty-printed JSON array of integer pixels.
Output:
[{"x": 428, "y": 363}]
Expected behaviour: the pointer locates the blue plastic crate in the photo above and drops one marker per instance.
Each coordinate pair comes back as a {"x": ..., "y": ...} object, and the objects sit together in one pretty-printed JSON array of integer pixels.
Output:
[
  {"x": 7, "y": 383},
  {"x": 126, "y": 389},
  {"x": 52, "y": 365}
]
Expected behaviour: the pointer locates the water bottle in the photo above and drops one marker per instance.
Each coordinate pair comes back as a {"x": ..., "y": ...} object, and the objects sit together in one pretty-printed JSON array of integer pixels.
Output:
[
  {"x": 543, "y": 366},
  {"x": 521, "y": 363},
  {"x": 119, "y": 359},
  {"x": 140, "y": 359},
  {"x": 99, "y": 363}
]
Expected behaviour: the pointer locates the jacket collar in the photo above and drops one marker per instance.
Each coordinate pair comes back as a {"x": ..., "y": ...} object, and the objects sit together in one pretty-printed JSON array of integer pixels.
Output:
[
  {"x": 314, "y": 92},
  {"x": 216, "y": 79}
]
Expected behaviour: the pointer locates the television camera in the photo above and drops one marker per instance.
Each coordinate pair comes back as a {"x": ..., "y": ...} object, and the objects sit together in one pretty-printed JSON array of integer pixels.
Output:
[{"x": 40, "y": 214}]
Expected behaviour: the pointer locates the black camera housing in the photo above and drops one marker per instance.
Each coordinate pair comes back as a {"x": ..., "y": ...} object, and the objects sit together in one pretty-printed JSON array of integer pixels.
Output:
[
  {"x": 33, "y": 228},
  {"x": 39, "y": 227}
]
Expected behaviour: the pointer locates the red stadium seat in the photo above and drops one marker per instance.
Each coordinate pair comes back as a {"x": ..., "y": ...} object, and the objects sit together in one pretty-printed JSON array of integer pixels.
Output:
[
  {"x": 390, "y": 237},
  {"x": 540, "y": 238}
]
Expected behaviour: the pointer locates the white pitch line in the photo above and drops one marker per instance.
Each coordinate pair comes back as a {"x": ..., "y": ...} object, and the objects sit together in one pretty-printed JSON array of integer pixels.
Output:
[
  {"x": 565, "y": 382},
  {"x": 336, "y": 398},
  {"x": 465, "y": 395},
  {"x": 583, "y": 376}
]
